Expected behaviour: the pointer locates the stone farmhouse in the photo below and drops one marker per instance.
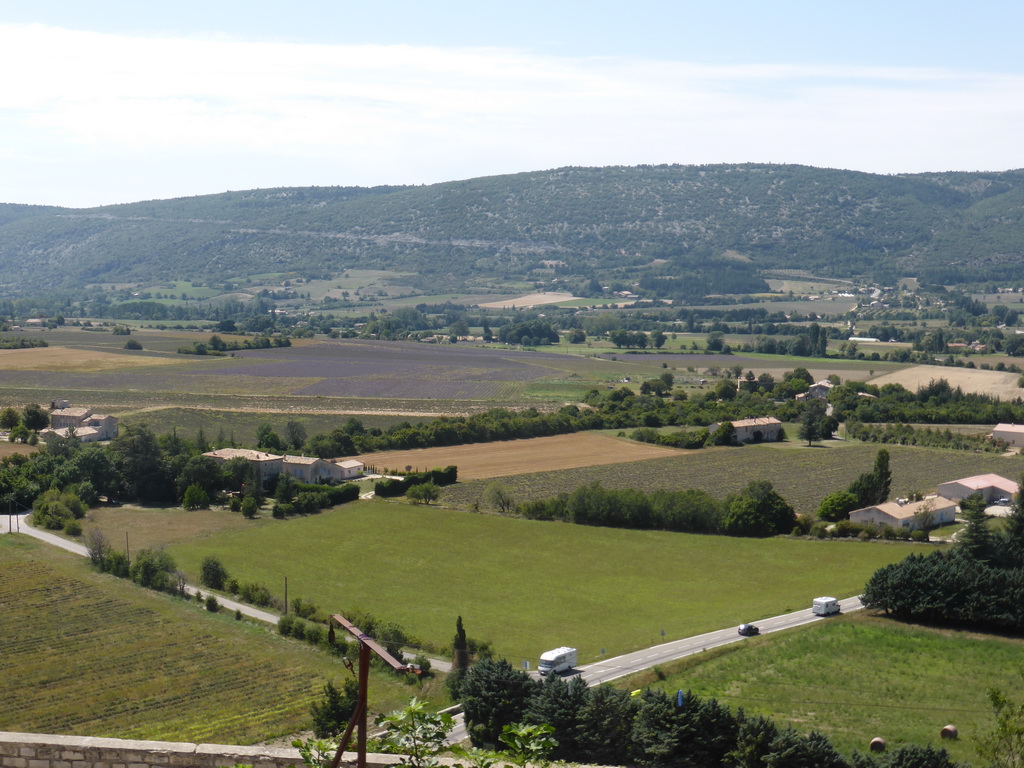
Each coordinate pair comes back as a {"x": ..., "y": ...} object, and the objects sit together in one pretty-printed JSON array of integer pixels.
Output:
[
  {"x": 305, "y": 469},
  {"x": 87, "y": 426},
  {"x": 911, "y": 515},
  {"x": 762, "y": 430}
]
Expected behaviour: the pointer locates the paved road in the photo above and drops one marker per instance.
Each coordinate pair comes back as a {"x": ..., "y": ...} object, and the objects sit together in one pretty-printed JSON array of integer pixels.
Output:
[
  {"x": 611, "y": 669},
  {"x": 620, "y": 666}
]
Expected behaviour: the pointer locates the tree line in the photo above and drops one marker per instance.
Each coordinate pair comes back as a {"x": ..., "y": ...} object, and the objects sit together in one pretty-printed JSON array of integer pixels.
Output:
[
  {"x": 606, "y": 726},
  {"x": 758, "y": 510},
  {"x": 978, "y": 583}
]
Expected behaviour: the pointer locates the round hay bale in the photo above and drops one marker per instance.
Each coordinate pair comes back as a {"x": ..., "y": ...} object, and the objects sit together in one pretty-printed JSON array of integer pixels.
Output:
[
  {"x": 949, "y": 732},
  {"x": 877, "y": 744}
]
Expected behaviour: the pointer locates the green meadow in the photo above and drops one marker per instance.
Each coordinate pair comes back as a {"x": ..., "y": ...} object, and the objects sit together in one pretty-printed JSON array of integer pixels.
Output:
[
  {"x": 857, "y": 677},
  {"x": 526, "y": 585}
]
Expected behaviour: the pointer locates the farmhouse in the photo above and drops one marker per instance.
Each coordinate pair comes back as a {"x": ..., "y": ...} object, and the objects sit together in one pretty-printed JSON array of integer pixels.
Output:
[
  {"x": 88, "y": 427},
  {"x": 310, "y": 469},
  {"x": 933, "y": 510},
  {"x": 760, "y": 430},
  {"x": 267, "y": 465},
  {"x": 990, "y": 487},
  {"x": 1011, "y": 434},
  {"x": 350, "y": 468},
  {"x": 819, "y": 390}
]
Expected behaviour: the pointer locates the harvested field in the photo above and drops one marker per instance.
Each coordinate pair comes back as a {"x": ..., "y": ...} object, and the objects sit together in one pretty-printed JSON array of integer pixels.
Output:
[
  {"x": 993, "y": 383},
  {"x": 530, "y": 300},
  {"x": 9, "y": 449},
  {"x": 517, "y": 457},
  {"x": 81, "y": 360}
]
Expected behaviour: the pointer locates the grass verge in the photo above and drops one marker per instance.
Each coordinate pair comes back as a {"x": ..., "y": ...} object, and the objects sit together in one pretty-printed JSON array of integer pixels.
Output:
[{"x": 856, "y": 677}]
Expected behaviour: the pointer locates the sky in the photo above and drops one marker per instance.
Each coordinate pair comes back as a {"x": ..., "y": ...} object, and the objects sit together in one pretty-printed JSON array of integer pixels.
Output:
[{"x": 107, "y": 102}]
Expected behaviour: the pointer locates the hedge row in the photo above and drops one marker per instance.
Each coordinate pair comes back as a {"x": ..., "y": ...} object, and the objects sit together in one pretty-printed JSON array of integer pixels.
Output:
[{"x": 393, "y": 487}]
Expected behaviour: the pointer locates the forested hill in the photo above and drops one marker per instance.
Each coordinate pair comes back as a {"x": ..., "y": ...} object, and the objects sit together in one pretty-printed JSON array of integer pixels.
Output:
[{"x": 715, "y": 225}]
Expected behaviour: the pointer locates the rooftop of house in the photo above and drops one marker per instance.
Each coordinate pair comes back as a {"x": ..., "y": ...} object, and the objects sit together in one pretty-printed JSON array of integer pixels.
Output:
[
  {"x": 350, "y": 464},
  {"x": 903, "y": 511},
  {"x": 77, "y": 412},
  {"x": 301, "y": 459},
  {"x": 242, "y": 453},
  {"x": 1009, "y": 428},
  {"x": 764, "y": 421},
  {"x": 991, "y": 480}
]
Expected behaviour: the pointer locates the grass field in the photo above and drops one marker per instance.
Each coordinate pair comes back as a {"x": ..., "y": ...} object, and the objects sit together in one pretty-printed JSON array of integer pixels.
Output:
[
  {"x": 88, "y": 654},
  {"x": 514, "y": 457},
  {"x": 523, "y": 585},
  {"x": 859, "y": 676},
  {"x": 804, "y": 476}
]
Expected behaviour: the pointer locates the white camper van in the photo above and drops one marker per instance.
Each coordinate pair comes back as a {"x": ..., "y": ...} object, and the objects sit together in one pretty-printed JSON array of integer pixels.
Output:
[
  {"x": 559, "y": 660},
  {"x": 825, "y": 606}
]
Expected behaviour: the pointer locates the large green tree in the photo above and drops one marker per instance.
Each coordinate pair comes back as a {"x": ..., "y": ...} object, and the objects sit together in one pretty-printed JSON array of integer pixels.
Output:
[{"x": 494, "y": 695}]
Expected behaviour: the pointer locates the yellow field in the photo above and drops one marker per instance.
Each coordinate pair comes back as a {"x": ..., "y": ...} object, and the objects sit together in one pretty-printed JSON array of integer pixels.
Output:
[
  {"x": 532, "y": 300},
  {"x": 994, "y": 383},
  {"x": 80, "y": 360},
  {"x": 520, "y": 457}
]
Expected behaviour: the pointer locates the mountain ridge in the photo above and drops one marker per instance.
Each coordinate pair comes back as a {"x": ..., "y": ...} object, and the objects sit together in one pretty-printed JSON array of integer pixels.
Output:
[{"x": 608, "y": 222}]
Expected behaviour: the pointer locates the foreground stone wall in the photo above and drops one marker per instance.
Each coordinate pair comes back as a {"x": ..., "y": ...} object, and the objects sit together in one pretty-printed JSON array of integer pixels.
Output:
[{"x": 41, "y": 750}]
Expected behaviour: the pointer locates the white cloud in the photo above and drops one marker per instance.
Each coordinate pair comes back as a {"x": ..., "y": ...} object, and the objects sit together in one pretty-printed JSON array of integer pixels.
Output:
[{"x": 94, "y": 118}]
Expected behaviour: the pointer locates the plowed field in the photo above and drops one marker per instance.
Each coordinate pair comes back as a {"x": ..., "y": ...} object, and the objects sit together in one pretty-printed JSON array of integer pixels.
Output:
[{"x": 518, "y": 457}]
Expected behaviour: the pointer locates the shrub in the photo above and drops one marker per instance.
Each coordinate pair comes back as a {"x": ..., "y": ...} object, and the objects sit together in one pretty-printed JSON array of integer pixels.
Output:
[
  {"x": 72, "y": 528},
  {"x": 211, "y": 604},
  {"x": 235, "y": 504},
  {"x": 285, "y": 624},
  {"x": 212, "y": 573},
  {"x": 299, "y": 629},
  {"x": 132, "y": 344},
  {"x": 282, "y": 509},
  {"x": 195, "y": 498},
  {"x": 250, "y": 508},
  {"x": 314, "y": 634}
]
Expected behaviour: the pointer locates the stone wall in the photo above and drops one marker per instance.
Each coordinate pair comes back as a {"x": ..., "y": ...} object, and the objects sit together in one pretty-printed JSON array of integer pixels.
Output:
[{"x": 40, "y": 750}]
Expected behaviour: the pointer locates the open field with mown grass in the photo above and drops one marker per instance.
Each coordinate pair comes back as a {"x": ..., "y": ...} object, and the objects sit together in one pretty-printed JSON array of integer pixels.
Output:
[
  {"x": 804, "y": 476},
  {"x": 523, "y": 585},
  {"x": 513, "y": 457},
  {"x": 859, "y": 676},
  {"x": 88, "y": 654}
]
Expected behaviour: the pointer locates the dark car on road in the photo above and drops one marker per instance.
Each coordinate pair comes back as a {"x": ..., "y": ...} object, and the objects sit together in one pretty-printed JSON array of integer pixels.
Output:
[{"x": 749, "y": 630}]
